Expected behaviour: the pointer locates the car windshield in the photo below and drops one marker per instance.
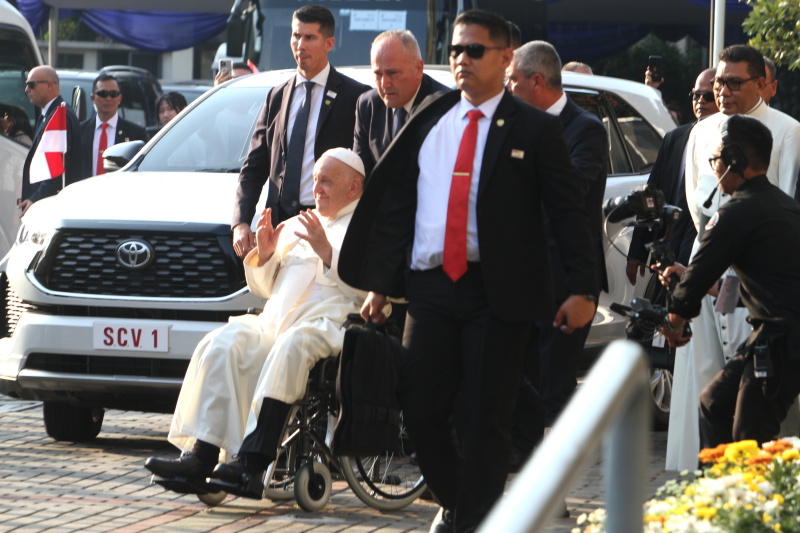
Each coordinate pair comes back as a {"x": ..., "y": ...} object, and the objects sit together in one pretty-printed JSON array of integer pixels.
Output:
[{"x": 212, "y": 137}]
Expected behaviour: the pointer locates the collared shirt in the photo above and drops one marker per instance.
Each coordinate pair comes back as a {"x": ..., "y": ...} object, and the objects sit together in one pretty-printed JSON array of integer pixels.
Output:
[
  {"x": 306, "y": 173},
  {"x": 111, "y": 136},
  {"x": 437, "y": 159},
  {"x": 407, "y": 106},
  {"x": 558, "y": 106},
  {"x": 46, "y": 107}
]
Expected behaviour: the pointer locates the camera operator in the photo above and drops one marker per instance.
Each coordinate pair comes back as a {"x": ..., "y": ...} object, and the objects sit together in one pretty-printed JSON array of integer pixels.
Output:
[{"x": 758, "y": 233}]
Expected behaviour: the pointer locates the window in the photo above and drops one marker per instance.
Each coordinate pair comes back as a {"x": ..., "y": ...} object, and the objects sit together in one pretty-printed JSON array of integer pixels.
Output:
[
  {"x": 594, "y": 103},
  {"x": 641, "y": 140}
]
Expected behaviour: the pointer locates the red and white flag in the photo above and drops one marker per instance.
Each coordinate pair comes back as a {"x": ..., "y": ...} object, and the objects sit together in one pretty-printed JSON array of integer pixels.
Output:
[{"x": 48, "y": 160}]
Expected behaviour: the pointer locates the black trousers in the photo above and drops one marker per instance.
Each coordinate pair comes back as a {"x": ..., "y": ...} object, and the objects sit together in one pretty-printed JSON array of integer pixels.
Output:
[
  {"x": 734, "y": 406},
  {"x": 457, "y": 351}
]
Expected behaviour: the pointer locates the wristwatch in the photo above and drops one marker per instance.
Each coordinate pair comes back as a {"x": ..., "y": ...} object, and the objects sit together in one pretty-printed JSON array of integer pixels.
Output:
[{"x": 590, "y": 297}]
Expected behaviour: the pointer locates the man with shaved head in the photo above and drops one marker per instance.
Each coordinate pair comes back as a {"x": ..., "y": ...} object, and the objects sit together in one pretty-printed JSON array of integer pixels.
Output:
[
  {"x": 244, "y": 377},
  {"x": 400, "y": 85},
  {"x": 43, "y": 92}
]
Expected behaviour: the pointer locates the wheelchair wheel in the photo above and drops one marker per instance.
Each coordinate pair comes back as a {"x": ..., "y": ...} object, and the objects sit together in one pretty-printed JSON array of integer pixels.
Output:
[
  {"x": 386, "y": 482},
  {"x": 212, "y": 498},
  {"x": 313, "y": 486}
]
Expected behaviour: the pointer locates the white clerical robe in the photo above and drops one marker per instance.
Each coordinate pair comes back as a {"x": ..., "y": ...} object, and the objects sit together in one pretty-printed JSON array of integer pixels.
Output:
[
  {"x": 717, "y": 336},
  {"x": 270, "y": 355}
]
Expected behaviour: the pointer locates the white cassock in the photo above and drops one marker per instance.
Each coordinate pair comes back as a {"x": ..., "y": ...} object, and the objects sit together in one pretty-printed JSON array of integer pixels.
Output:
[
  {"x": 715, "y": 336},
  {"x": 270, "y": 355}
]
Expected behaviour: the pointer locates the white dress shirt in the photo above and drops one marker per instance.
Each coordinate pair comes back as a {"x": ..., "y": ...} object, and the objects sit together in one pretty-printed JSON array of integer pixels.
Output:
[
  {"x": 558, "y": 106},
  {"x": 437, "y": 159},
  {"x": 111, "y": 135},
  {"x": 317, "y": 92}
]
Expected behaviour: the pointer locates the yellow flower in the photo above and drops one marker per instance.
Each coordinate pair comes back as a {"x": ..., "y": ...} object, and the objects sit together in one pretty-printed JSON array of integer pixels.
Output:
[
  {"x": 706, "y": 512},
  {"x": 766, "y": 518},
  {"x": 790, "y": 455},
  {"x": 741, "y": 450},
  {"x": 779, "y": 498}
]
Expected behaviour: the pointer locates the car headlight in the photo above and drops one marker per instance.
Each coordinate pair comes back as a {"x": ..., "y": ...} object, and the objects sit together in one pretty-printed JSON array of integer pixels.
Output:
[{"x": 33, "y": 236}]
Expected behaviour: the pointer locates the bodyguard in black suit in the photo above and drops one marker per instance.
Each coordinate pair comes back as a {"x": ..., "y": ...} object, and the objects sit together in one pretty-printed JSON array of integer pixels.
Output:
[
  {"x": 331, "y": 106},
  {"x": 467, "y": 326},
  {"x": 667, "y": 175},
  {"x": 401, "y": 86},
  {"x": 43, "y": 92},
  {"x": 106, "y": 98},
  {"x": 535, "y": 77}
]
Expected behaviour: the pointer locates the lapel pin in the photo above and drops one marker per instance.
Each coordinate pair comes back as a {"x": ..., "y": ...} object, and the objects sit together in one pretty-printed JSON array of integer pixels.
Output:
[
  {"x": 327, "y": 102},
  {"x": 518, "y": 154},
  {"x": 331, "y": 94},
  {"x": 500, "y": 122}
]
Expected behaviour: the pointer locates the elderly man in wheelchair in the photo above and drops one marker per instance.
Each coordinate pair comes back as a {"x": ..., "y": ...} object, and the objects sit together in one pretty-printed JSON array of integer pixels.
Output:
[{"x": 244, "y": 377}]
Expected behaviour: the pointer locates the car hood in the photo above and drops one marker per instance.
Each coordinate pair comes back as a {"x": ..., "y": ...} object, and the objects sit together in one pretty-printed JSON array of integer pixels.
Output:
[{"x": 152, "y": 197}]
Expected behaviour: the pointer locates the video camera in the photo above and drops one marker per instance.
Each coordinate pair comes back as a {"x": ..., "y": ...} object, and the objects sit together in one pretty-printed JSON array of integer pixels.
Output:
[{"x": 652, "y": 212}]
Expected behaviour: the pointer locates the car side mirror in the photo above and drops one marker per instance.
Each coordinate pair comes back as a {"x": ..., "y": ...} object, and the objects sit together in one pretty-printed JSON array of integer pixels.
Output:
[
  {"x": 79, "y": 103},
  {"x": 121, "y": 154}
]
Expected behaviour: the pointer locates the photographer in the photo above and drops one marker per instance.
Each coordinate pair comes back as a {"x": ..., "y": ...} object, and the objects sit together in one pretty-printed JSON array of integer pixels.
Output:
[{"x": 758, "y": 233}]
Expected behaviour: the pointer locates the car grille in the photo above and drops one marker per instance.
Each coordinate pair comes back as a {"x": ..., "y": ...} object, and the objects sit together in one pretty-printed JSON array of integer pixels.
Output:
[
  {"x": 184, "y": 265},
  {"x": 108, "y": 366},
  {"x": 14, "y": 308}
]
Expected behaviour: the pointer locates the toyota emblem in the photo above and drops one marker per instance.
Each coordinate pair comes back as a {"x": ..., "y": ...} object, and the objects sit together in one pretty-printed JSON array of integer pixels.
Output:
[{"x": 134, "y": 254}]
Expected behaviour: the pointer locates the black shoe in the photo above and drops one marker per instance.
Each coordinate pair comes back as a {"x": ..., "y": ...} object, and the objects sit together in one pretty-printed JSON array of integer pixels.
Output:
[
  {"x": 186, "y": 474},
  {"x": 236, "y": 478},
  {"x": 443, "y": 523}
]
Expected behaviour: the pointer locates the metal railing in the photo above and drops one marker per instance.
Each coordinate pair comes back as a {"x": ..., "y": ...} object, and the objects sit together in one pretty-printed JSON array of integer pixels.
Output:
[{"x": 612, "y": 402}]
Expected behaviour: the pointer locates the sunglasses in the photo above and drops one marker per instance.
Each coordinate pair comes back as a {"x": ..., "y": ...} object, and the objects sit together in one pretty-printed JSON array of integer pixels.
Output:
[
  {"x": 105, "y": 94},
  {"x": 733, "y": 85},
  {"x": 475, "y": 51},
  {"x": 697, "y": 95},
  {"x": 32, "y": 84}
]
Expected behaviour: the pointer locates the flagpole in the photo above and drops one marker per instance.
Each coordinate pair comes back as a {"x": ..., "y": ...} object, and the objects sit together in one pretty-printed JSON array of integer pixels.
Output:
[{"x": 64, "y": 155}]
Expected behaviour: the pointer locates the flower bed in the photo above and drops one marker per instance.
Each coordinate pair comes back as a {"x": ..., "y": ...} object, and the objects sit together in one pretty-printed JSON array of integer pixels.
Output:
[{"x": 742, "y": 489}]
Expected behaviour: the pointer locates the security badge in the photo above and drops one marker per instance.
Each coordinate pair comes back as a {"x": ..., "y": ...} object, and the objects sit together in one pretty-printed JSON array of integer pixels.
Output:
[
  {"x": 331, "y": 95},
  {"x": 713, "y": 221}
]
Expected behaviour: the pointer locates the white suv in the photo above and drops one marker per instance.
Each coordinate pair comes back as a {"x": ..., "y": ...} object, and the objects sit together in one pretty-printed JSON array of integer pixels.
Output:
[{"x": 111, "y": 284}]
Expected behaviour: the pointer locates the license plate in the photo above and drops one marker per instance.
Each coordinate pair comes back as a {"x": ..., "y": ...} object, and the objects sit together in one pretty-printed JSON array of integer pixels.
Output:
[{"x": 130, "y": 337}]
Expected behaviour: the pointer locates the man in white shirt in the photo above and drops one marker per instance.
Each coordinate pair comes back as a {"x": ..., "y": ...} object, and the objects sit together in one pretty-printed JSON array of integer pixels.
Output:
[
  {"x": 244, "y": 377},
  {"x": 106, "y": 128}
]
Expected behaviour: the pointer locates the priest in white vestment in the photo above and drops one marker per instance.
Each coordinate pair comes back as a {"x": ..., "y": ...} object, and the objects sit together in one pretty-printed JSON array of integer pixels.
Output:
[
  {"x": 738, "y": 84},
  {"x": 244, "y": 376}
]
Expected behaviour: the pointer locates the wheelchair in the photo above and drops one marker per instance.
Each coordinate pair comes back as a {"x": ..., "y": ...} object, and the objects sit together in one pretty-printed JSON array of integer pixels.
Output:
[{"x": 305, "y": 466}]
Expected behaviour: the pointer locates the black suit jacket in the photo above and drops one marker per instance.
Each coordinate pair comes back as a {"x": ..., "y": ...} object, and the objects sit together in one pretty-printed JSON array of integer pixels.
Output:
[
  {"x": 666, "y": 175},
  {"x": 375, "y": 121},
  {"x": 72, "y": 159},
  {"x": 267, "y": 155},
  {"x": 126, "y": 131},
  {"x": 588, "y": 147},
  {"x": 526, "y": 168}
]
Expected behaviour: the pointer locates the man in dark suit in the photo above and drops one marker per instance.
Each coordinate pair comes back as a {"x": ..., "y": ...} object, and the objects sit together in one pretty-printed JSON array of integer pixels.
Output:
[
  {"x": 43, "y": 92},
  {"x": 535, "y": 77},
  {"x": 401, "y": 86},
  {"x": 479, "y": 275},
  {"x": 284, "y": 154},
  {"x": 667, "y": 175},
  {"x": 106, "y": 128}
]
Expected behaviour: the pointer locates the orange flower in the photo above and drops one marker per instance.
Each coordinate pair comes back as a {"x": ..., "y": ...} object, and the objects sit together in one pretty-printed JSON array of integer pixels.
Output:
[
  {"x": 711, "y": 455},
  {"x": 776, "y": 446},
  {"x": 761, "y": 458}
]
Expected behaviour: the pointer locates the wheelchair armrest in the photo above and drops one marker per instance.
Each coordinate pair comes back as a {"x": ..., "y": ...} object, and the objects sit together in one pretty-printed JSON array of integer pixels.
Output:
[{"x": 354, "y": 319}]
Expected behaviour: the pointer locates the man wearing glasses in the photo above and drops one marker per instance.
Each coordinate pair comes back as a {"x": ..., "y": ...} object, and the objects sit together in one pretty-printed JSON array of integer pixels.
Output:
[
  {"x": 738, "y": 84},
  {"x": 453, "y": 219},
  {"x": 106, "y": 128},
  {"x": 43, "y": 92}
]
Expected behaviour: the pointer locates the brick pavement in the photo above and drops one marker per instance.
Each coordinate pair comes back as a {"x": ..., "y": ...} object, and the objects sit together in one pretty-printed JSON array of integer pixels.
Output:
[{"x": 102, "y": 486}]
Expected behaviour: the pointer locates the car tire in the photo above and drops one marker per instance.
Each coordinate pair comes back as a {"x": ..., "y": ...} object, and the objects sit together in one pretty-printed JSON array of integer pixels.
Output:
[
  {"x": 661, "y": 393},
  {"x": 72, "y": 423}
]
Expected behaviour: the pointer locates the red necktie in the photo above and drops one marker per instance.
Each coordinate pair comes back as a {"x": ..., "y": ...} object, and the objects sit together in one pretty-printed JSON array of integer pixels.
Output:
[
  {"x": 101, "y": 147},
  {"x": 454, "y": 261}
]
